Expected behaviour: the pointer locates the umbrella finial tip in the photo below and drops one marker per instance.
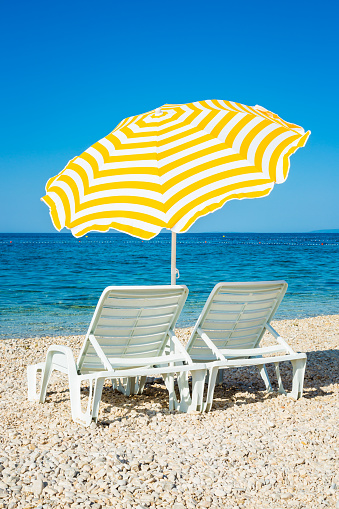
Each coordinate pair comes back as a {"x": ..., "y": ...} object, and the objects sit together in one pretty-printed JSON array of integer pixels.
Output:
[{"x": 158, "y": 112}]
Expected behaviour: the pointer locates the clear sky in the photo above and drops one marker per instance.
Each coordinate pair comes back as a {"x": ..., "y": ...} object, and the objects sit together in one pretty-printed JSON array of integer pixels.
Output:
[{"x": 71, "y": 70}]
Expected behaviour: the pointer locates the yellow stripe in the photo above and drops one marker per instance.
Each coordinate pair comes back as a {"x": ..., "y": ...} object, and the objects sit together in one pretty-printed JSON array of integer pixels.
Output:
[
  {"x": 64, "y": 198},
  {"x": 149, "y": 202},
  {"x": 202, "y": 182},
  {"x": 161, "y": 189},
  {"x": 212, "y": 194},
  {"x": 259, "y": 153},
  {"x": 53, "y": 210},
  {"x": 215, "y": 206},
  {"x": 127, "y": 214},
  {"x": 163, "y": 126},
  {"x": 301, "y": 143},
  {"x": 131, "y": 230},
  {"x": 277, "y": 153},
  {"x": 161, "y": 120},
  {"x": 127, "y": 199}
]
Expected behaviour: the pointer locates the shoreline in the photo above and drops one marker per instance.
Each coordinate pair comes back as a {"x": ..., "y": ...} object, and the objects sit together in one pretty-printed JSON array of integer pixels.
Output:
[
  {"x": 182, "y": 330},
  {"x": 252, "y": 450}
]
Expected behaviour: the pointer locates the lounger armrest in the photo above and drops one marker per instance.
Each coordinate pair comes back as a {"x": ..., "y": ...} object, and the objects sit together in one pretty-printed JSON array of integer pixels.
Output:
[
  {"x": 148, "y": 371},
  {"x": 179, "y": 347},
  {"x": 250, "y": 352},
  {"x": 61, "y": 357},
  {"x": 279, "y": 339},
  {"x": 211, "y": 345},
  {"x": 145, "y": 361}
]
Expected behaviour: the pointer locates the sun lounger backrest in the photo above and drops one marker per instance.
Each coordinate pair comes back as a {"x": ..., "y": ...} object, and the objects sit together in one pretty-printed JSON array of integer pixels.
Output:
[
  {"x": 235, "y": 316},
  {"x": 132, "y": 322}
]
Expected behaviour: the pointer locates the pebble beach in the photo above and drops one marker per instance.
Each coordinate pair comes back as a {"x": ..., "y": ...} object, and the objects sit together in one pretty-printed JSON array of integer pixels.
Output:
[{"x": 253, "y": 450}]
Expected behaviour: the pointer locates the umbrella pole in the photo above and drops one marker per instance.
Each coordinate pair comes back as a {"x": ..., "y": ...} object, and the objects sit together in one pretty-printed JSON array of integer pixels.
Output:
[{"x": 173, "y": 259}]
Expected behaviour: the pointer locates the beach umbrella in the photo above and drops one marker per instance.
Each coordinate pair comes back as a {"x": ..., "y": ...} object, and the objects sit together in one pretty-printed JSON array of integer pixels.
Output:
[{"x": 170, "y": 166}]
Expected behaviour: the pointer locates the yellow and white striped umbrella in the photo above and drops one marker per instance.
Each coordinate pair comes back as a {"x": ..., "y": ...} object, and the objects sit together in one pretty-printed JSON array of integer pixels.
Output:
[{"x": 170, "y": 166}]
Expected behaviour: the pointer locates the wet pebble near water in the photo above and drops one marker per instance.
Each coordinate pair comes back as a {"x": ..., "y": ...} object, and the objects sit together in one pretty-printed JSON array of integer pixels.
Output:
[{"x": 252, "y": 450}]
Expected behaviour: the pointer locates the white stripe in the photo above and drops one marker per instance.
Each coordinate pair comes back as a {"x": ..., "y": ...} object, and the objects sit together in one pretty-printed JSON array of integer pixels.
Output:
[
  {"x": 60, "y": 208},
  {"x": 127, "y": 207},
  {"x": 110, "y": 192},
  {"x": 70, "y": 198},
  {"x": 137, "y": 129},
  {"x": 151, "y": 119},
  {"x": 181, "y": 223},
  {"x": 134, "y": 139},
  {"x": 130, "y": 222},
  {"x": 279, "y": 172},
  {"x": 124, "y": 151},
  {"x": 180, "y": 130},
  {"x": 224, "y": 105},
  {"x": 161, "y": 197},
  {"x": 229, "y": 126},
  {"x": 238, "y": 140},
  {"x": 252, "y": 149},
  {"x": 96, "y": 154},
  {"x": 272, "y": 146},
  {"x": 214, "y": 121},
  {"x": 111, "y": 180},
  {"x": 223, "y": 152},
  {"x": 188, "y": 198},
  {"x": 210, "y": 171}
]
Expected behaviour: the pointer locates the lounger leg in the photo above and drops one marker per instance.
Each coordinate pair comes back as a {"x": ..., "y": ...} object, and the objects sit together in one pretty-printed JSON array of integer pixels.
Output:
[
  {"x": 141, "y": 384},
  {"x": 265, "y": 377},
  {"x": 130, "y": 386},
  {"x": 46, "y": 375},
  {"x": 210, "y": 390},
  {"x": 123, "y": 385},
  {"x": 220, "y": 377},
  {"x": 97, "y": 398},
  {"x": 78, "y": 415},
  {"x": 198, "y": 384},
  {"x": 298, "y": 378},
  {"x": 32, "y": 372},
  {"x": 169, "y": 382},
  {"x": 280, "y": 384},
  {"x": 185, "y": 396}
]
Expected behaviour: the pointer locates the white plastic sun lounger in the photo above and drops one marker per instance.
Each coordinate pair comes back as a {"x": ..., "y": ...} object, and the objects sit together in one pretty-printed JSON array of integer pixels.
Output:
[
  {"x": 130, "y": 337},
  {"x": 229, "y": 330}
]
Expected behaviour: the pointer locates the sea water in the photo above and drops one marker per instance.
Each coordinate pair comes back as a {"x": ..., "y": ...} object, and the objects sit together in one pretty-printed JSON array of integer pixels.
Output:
[{"x": 50, "y": 283}]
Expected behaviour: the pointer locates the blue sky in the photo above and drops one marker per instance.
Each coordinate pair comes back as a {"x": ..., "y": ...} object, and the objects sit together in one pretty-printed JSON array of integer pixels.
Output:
[{"x": 72, "y": 70}]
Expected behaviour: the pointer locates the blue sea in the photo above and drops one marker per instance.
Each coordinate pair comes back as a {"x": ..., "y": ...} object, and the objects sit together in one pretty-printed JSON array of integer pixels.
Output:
[{"x": 50, "y": 283}]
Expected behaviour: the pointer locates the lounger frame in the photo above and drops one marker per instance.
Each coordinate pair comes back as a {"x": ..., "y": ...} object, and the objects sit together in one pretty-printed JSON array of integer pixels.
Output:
[
  {"x": 229, "y": 330},
  {"x": 131, "y": 336}
]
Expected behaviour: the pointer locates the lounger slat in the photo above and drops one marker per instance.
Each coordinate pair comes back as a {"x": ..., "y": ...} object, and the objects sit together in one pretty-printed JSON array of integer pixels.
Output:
[
  {"x": 130, "y": 322},
  {"x": 134, "y": 312},
  {"x": 234, "y": 315},
  {"x": 228, "y": 325},
  {"x": 224, "y": 344},
  {"x": 244, "y": 298},
  {"x": 232, "y": 307},
  {"x": 130, "y": 331},
  {"x": 140, "y": 351},
  {"x": 236, "y": 332},
  {"x": 144, "y": 338},
  {"x": 121, "y": 348},
  {"x": 141, "y": 303},
  {"x": 105, "y": 342}
]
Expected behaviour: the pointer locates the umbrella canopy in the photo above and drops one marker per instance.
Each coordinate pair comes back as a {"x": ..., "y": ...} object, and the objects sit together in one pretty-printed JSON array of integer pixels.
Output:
[{"x": 170, "y": 166}]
